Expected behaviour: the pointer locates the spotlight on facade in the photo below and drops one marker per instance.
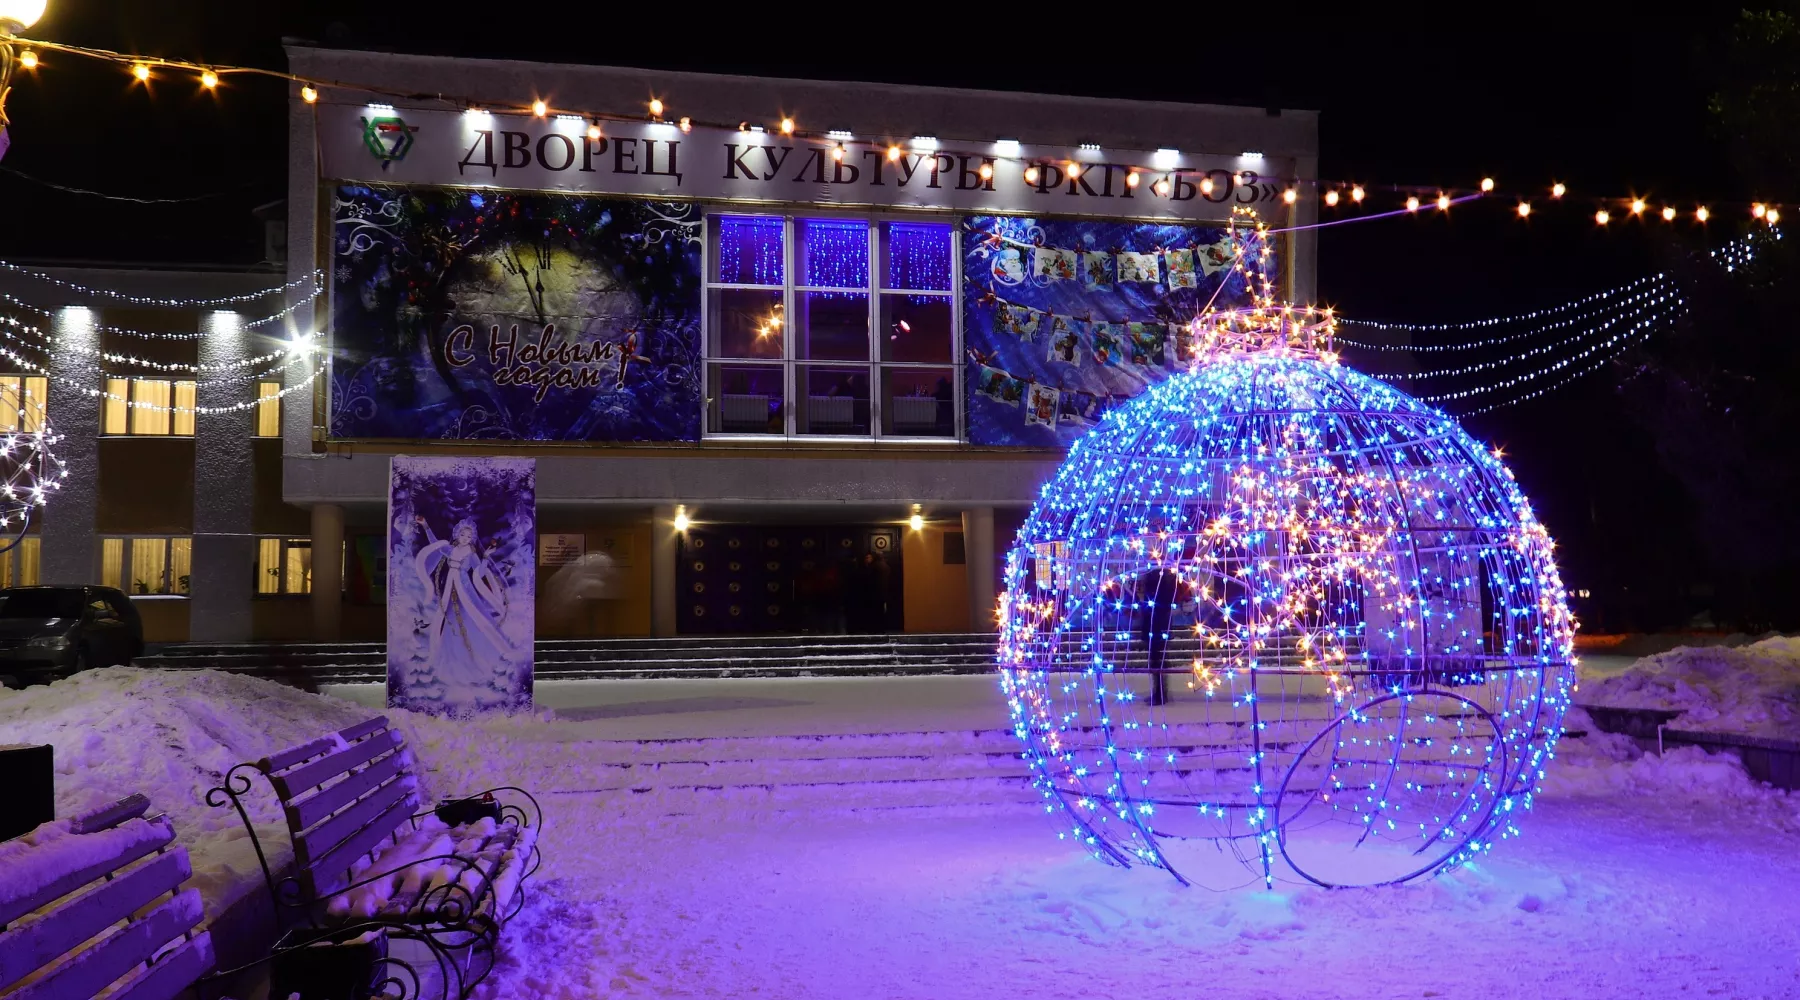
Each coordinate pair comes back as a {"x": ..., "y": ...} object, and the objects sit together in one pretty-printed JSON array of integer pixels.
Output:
[
  {"x": 917, "y": 522},
  {"x": 681, "y": 520}
]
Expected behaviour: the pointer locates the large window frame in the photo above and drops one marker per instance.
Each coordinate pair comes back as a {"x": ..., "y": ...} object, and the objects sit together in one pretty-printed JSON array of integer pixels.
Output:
[
  {"x": 24, "y": 401},
  {"x": 281, "y": 569},
  {"x": 129, "y": 562},
  {"x": 793, "y": 364},
  {"x": 148, "y": 407},
  {"x": 21, "y": 565}
]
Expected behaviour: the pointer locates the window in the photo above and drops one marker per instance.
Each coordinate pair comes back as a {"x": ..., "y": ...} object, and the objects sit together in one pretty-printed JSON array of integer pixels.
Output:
[
  {"x": 148, "y": 406},
  {"x": 19, "y": 564},
  {"x": 139, "y": 566},
  {"x": 284, "y": 566},
  {"x": 843, "y": 327},
  {"x": 22, "y": 401},
  {"x": 268, "y": 409}
]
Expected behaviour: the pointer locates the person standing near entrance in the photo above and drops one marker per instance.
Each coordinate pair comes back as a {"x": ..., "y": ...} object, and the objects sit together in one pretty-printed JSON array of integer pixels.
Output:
[{"x": 1160, "y": 590}]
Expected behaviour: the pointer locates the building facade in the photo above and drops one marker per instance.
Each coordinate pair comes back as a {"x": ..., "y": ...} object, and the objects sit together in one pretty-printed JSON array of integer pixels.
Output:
[{"x": 792, "y": 356}]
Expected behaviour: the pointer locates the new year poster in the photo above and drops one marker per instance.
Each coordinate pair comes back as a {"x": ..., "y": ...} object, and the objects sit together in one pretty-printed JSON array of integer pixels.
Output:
[{"x": 461, "y": 584}]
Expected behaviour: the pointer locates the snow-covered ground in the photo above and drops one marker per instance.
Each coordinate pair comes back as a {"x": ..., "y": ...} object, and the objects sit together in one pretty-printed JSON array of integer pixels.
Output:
[
  {"x": 1752, "y": 689},
  {"x": 875, "y": 838}
]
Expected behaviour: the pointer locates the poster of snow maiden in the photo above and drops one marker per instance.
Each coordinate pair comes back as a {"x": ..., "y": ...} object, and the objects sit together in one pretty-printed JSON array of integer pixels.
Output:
[{"x": 462, "y": 583}]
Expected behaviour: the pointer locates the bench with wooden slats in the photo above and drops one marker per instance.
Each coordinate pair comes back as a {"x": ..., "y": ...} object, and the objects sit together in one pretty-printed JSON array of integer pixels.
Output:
[
  {"x": 93, "y": 923},
  {"x": 352, "y": 795}
]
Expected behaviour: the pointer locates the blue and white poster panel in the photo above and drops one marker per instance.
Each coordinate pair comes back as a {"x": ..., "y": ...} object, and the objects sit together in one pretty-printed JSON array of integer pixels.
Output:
[
  {"x": 513, "y": 316},
  {"x": 1063, "y": 318},
  {"x": 462, "y": 584}
]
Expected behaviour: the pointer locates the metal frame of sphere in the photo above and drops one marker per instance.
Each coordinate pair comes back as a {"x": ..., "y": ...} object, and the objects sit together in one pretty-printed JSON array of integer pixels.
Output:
[{"x": 1277, "y": 611}]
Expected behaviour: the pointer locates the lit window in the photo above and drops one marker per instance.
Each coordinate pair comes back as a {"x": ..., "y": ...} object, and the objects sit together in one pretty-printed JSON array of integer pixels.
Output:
[
  {"x": 22, "y": 402},
  {"x": 147, "y": 565},
  {"x": 148, "y": 406},
  {"x": 284, "y": 566},
  {"x": 19, "y": 564},
  {"x": 268, "y": 409},
  {"x": 842, "y": 327}
]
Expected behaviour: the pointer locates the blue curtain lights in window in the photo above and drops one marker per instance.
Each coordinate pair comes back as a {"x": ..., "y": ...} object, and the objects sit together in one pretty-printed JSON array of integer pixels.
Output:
[
  {"x": 1276, "y": 606},
  {"x": 918, "y": 256},
  {"x": 834, "y": 253},
  {"x": 750, "y": 251}
]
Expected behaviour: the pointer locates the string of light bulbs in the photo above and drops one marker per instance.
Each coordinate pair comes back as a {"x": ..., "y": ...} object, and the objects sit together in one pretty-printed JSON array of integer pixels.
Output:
[
  {"x": 315, "y": 280},
  {"x": 1591, "y": 368},
  {"x": 125, "y": 331},
  {"x": 1331, "y": 193},
  {"x": 1625, "y": 338},
  {"x": 52, "y": 341},
  {"x": 1606, "y": 319},
  {"x": 235, "y": 379},
  {"x": 1732, "y": 255},
  {"x": 89, "y": 390}
]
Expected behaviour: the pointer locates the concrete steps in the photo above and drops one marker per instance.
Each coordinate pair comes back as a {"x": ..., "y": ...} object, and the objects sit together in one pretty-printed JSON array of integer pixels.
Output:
[{"x": 689, "y": 656}]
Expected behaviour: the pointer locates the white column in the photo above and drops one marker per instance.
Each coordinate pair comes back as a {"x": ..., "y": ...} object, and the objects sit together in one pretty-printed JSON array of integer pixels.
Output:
[
  {"x": 327, "y": 571},
  {"x": 665, "y": 550},
  {"x": 224, "y": 572},
  {"x": 70, "y": 553},
  {"x": 978, "y": 554}
]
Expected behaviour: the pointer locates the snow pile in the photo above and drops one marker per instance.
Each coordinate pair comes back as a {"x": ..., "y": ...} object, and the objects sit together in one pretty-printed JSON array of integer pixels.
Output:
[
  {"x": 52, "y": 852},
  {"x": 1754, "y": 689},
  {"x": 172, "y": 735}
]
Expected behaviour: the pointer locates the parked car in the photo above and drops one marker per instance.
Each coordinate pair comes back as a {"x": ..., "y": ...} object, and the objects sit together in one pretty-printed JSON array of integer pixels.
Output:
[{"x": 51, "y": 632}]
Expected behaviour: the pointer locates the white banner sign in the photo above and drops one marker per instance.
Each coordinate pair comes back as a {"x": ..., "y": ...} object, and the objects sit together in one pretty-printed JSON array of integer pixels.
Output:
[
  {"x": 561, "y": 550},
  {"x": 377, "y": 144}
]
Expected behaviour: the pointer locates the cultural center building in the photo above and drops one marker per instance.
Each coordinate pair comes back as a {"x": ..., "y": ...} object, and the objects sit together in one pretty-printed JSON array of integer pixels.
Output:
[{"x": 793, "y": 356}]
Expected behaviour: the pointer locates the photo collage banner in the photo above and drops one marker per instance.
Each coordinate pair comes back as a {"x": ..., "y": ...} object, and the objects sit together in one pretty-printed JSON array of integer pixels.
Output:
[
  {"x": 1064, "y": 317},
  {"x": 512, "y": 316},
  {"x": 461, "y": 584}
]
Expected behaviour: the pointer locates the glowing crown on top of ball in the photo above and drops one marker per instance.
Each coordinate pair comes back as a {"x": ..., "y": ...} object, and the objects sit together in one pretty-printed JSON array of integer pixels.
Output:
[{"x": 1276, "y": 605}]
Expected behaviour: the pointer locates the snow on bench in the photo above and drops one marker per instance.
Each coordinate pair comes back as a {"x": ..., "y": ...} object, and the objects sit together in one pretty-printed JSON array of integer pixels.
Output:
[
  {"x": 79, "y": 913},
  {"x": 364, "y": 855}
]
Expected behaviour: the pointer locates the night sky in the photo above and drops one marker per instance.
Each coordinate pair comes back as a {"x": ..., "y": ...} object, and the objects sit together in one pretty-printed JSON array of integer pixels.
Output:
[{"x": 1610, "y": 103}]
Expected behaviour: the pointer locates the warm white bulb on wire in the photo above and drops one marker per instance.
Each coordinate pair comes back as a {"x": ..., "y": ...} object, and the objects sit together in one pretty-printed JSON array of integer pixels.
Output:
[
  {"x": 1558, "y": 189},
  {"x": 1331, "y": 198},
  {"x": 17, "y": 15},
  {"x": 1603, "y": 217},
  {"x": 1487, "y": 184},
  {"x": 1412, "y": 203},
  {"x": 1443, "y": 202},
  {"x": 1524, "y": 209},
  {"x": 1356, "y": 193},
  {"x": 28, "y": 59}
]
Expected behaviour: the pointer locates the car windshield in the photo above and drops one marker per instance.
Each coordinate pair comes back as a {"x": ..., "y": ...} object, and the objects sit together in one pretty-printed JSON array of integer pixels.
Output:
[{"x": 46, "y": 602}]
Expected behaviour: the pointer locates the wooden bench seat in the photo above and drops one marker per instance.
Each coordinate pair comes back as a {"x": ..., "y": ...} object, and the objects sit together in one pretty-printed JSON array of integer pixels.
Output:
[
  {"x": 367, "y": 853},
  {"x": 80, "y": 912}
]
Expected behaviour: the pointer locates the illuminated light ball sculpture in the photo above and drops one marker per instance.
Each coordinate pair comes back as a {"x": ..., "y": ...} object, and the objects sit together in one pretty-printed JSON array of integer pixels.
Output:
[{"x": 1276, "y": 612}]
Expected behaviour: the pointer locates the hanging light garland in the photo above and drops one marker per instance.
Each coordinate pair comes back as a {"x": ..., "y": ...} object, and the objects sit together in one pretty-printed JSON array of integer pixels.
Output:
[
  {"x": 48, "y": 341},
  {"x": 313, "y": 282},
  {"x": 123, "y": 331},
  {"x": 1161, "y": 163},
  {"x": 1643, "y": 306}
]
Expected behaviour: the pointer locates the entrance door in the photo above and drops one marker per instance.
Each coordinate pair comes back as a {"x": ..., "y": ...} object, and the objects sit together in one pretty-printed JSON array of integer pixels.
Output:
[{"x": 832, "y": 579}]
